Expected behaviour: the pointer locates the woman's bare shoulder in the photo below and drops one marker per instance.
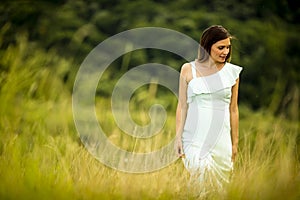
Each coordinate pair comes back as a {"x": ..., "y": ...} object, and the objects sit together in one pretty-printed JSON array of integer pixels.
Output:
[
  {"x": 186, "y": 72},
  {"x": 185, "y": 68}
]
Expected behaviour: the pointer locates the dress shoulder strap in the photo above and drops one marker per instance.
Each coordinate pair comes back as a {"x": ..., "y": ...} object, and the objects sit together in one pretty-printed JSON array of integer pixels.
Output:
[{"x": 193, "y": 69}]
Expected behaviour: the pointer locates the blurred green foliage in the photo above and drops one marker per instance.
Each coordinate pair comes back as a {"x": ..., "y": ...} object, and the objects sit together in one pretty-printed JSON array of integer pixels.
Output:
[{"x": 267, "y": 43}]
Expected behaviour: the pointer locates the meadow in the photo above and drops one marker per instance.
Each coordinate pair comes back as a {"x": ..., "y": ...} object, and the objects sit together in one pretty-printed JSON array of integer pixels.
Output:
[{"x": 42, "y": 157}]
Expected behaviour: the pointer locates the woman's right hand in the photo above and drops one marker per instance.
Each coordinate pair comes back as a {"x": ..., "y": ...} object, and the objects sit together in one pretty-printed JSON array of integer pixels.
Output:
[{"x": 179, "y": 148}]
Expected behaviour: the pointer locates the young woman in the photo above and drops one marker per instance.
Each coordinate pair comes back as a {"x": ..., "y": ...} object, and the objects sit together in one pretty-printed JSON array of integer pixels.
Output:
[{"x": 207, "y": 112}]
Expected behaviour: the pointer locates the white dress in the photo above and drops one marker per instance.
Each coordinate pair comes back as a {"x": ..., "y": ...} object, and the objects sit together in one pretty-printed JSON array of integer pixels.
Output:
[{"x": 206, "y": 137}]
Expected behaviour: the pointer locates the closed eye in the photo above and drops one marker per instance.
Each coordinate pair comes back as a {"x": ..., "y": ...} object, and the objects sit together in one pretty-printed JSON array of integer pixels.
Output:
[{"x": 222, "y": 47}]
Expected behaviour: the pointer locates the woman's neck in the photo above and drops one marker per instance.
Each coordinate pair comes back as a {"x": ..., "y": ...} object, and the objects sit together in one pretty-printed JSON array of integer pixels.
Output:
[
  {"x": 219, "y": 65},
  {"x": 209, "y": 64}
]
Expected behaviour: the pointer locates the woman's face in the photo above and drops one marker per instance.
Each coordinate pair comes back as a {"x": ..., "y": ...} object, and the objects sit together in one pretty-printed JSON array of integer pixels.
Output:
[{"x": 220, "y": 50}]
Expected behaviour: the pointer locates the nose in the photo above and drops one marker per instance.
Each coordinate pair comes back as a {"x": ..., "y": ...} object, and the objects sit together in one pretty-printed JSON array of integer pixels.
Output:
[{"x": 226, "y": 51}]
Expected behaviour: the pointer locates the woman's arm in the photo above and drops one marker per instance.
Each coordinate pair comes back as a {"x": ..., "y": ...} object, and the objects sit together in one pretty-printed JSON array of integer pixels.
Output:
[
  {"x": 234, "y": 119},
  {"x": 182, "y": 107}
]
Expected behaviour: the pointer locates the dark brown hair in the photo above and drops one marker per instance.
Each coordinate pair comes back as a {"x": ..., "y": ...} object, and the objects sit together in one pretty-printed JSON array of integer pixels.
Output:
[{"x": 210, "y": 36}]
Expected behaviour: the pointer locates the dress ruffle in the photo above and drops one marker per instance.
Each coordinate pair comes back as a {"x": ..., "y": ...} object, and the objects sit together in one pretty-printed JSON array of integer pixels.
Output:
[{"x": 225, "y": 78}]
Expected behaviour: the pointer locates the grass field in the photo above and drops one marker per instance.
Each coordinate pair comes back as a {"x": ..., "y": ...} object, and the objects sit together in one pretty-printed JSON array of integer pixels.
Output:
[{"x": 41, "y": 156}]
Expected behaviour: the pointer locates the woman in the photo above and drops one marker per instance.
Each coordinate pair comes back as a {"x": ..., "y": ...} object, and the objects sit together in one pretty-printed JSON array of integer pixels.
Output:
[{"x": 207, "y": 111}]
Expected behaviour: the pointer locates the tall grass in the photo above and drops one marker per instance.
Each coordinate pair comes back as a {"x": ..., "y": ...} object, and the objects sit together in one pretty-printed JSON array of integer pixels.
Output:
[{"x": 42, "y": 158}]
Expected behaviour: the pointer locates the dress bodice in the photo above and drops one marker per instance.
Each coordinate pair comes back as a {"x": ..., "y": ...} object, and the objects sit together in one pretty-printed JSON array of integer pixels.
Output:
[{"x": 213, "y": 90}]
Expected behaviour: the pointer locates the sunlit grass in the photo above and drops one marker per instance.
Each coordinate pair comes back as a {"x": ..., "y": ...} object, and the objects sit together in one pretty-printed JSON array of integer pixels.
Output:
[{"x": 44, "y": 163}]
